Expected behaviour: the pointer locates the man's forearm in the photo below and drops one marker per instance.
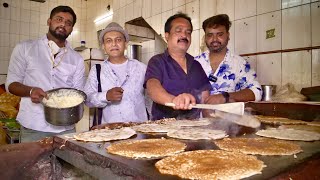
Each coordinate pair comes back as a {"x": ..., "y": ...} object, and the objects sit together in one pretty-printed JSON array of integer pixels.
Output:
[
  {"x": 243, "y": 95},
  {"x": 19, "y": 89},
  {"x": 157, "y": 93}
]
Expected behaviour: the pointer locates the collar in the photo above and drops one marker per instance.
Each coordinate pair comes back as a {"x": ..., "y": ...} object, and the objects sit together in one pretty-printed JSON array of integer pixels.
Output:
[
  {"x": 188, "y": 56},
  {"x": 128, "y": 60},
  {"x": 225, "y": 59},
  {"x": 46, "y": 40}
]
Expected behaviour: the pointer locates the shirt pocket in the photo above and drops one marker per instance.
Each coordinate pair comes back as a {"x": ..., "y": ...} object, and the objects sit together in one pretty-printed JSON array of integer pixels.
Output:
[
  {"x": 175, "y": 86},
  {"x": 65, "y": 73}
]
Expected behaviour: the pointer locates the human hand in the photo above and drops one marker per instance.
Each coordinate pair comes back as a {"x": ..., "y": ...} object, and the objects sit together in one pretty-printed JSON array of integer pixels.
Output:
[
  {"x": 114, "y": 94},
  {"x": 183, "y": 101},
  {"x": 217, "y": 99},
  {"x": 37, "y": 94}
]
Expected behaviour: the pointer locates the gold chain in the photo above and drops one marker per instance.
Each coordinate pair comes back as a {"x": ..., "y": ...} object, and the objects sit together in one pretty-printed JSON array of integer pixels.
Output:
[{"x": 54, "y": 65}]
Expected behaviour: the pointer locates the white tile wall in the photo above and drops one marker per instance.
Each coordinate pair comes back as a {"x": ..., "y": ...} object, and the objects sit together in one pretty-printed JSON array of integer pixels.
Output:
[
  {"x": 146, "y": 6},
  {"x": 194, "y": 48},
  {"x": 25, "y": 15},
  {"x": 192, "y": 9},
  {"x": 296, "y": 23},
  {"x": 155, "y": 7},
  {"x": 137, "y": 8},
  {"x": 3, "y": 79},
  {"x": 231, "y": 43},
  {"x": 5, "y": 12},
  {"x": 245, "y": 8},
  {"x": 16, "y": 3},
  {"x": 5, "y": 40},
  {"x": 315, "y": 81},
  {"x": 181, "y": 9},
  {"x": 245, "y": 35},
  {"x": 15, "y": 14},
  {"x": 264, "y": 6},
  {"x": 166, "y": 5},
  {"x": 128, "y": 12},
  {"x": 202, "y": 43},
  {"x": 25, "y": 28},
  {"x": 296, "y": 69},
  {"x": 291, "y": 3},
  {"x": 226, "y": 7},
  {"x": 315, "y": 23},
  {"x": 26, "y": 5},
  {"x": 15, "y": 27},
  {"x": 299, "y": 27},
  {"x": 267, "y": 22},
  {"x": 177, "y": 3},
  {"x": 5, "y": 25},
  {"x": 269, "y": 69},
  {"x": 35, "y": 17},
  {"x": 156, "y": 23},
  {"x": 207, "y": 9},
  {"x": 164, "y": 17}
]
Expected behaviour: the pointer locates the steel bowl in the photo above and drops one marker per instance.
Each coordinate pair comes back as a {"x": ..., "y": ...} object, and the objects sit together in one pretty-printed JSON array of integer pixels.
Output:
[
  {"x": 64, "y": 116},
  {"x": 268, "y": 91}
]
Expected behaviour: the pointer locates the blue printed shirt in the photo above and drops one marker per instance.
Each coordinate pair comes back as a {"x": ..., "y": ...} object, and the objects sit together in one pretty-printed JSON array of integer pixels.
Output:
[{"x": 233, "y": 74}]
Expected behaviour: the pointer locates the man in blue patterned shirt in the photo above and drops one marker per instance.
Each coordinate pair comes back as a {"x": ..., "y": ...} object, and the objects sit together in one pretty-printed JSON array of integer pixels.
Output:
[{"x": 231, "y": 77}]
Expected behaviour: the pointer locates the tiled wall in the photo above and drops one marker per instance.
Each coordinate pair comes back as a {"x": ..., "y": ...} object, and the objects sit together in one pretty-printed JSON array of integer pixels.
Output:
[
  {"x": 24, "y": 19},
  {"x": 296, "y": 24}
]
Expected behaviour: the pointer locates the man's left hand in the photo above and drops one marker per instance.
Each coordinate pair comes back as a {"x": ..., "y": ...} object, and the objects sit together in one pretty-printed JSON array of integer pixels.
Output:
[{"x": 215, "y": 99}]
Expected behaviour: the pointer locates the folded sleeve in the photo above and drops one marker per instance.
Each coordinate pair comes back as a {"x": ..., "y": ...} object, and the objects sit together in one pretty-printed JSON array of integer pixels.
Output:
[{"x": 248, "y": 80}]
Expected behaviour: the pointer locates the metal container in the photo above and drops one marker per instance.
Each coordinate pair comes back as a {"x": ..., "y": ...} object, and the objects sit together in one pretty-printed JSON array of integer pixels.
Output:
[
  {"x": 64, "y": 116},
  {"x": 134, "y": 52},
  {"x": 267, "y": 92}
]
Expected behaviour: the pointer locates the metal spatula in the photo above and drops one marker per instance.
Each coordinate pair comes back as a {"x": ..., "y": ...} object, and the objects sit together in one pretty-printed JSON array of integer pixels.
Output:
[{"x": 234, "y": 108}]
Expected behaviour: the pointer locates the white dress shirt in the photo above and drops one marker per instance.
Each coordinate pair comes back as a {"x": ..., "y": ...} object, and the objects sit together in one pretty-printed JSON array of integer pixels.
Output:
[
  {"x": 31, "y": 64},
  {"x": 129, "y": 76}
]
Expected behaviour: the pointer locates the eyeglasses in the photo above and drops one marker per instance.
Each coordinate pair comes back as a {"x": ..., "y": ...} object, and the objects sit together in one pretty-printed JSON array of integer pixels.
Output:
[{"x": 60, "y": 19}]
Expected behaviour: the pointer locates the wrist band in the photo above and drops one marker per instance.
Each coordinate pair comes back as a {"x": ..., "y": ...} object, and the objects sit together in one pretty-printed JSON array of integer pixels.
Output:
[
  {"x": 30, "y": 91},
  {"x": 226, "y": 96}
]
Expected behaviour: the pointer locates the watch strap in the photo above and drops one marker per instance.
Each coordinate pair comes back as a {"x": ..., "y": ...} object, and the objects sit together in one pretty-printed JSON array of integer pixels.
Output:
[{"x": 226, "y": 96}]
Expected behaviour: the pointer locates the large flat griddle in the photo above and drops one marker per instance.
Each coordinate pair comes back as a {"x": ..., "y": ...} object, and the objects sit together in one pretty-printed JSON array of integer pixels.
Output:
[{"x": 94, "y": 159}]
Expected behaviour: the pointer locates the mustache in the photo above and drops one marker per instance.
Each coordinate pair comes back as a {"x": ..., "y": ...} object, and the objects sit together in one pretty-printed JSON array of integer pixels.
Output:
[{"x": 183, "y": 39}]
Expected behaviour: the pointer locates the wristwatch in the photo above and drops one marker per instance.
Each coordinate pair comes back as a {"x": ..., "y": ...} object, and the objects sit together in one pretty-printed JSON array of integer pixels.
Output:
[{"x": 226, "y": 96}]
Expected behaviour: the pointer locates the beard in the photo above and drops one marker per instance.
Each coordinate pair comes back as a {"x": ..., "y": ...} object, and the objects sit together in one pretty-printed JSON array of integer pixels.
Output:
[
  {"x": 61, "y": 36},
  {"x": 216, "y": 46}
]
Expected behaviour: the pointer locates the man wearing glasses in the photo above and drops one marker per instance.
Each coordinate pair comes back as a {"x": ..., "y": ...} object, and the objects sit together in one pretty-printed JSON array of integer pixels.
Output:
[
  {"x": 122, "y": 92},
  {"x": 37, "y": 66}
]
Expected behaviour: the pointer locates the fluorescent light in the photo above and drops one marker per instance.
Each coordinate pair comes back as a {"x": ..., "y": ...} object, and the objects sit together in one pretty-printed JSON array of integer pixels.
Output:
[{"x": 103, "y": 18}]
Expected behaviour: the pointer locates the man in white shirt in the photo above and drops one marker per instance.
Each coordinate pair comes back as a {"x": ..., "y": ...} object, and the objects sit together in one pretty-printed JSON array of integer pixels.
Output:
[
  {"x": 37, "y": 66},
  {"x": 122, "y": 92},
  {"x": 231, "y": 77}
]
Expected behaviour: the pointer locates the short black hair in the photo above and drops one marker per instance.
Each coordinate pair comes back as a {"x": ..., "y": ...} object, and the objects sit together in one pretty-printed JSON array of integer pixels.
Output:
[
  {"x": 65, "y": 9},
  {"x": 167, "y": 26},
  {"x": 215, "y": 21}
]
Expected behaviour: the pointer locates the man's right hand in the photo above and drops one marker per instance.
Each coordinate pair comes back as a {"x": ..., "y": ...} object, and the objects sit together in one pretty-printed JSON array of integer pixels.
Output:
[
  {"x": 183, "y": 101},
  {"x": 115, "y": 94},
  {"x": 36, "y": 95}
]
